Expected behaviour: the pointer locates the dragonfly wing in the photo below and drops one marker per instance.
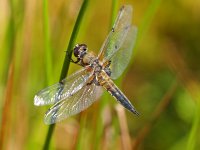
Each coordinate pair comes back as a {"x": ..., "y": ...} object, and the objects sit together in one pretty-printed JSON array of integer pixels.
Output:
[
  {"x": 121, "y": 59},
  {"x": 118, "y": 34},
  {"x": 73, "y": 104},
  {"x": 63, "y": 89}
]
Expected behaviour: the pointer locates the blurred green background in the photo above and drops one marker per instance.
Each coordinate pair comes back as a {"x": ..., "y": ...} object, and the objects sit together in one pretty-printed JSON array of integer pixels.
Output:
[{"x": 162, "y": 80}]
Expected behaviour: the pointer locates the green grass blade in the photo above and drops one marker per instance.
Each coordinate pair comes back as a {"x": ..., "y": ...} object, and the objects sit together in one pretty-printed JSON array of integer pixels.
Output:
[
  {"x": 71, "y": 44},
  {"x": 48, "y": 62},
  {"x": 66, "y": 63},
  {"x": 114, "y": 10},
  {"x": 47, "y": 47},
  {"x": 146, "y": 21}
]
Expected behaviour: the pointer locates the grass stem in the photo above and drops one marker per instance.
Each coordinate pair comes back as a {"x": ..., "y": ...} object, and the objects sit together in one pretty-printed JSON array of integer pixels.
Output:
[
  {"x": 47, "y": 47},
  {"x": 66, "y": 63}
]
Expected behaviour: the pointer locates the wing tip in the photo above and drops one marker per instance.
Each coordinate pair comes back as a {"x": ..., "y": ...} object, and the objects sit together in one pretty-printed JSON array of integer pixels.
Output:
[{"x": 38, "y": 101}]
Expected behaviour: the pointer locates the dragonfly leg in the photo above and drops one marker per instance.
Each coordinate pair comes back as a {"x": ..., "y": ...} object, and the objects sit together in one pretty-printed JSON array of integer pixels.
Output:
[{"x": 71, "y": 60}]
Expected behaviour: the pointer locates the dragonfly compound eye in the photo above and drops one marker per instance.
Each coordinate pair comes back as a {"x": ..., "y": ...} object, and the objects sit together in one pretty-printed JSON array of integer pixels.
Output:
[
  {"x": 77, "y": 50},
  {"x": 80, "y": 49}
]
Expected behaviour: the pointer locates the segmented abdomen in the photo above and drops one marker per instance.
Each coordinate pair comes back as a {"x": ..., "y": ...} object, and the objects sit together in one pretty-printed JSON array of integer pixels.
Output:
[{"x": 105, "y": 81}]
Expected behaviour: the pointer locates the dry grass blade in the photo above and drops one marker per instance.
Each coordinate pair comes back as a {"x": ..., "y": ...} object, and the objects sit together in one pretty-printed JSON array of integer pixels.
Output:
[
  {"x": 125, "y": 137},
  {"x": 66, "y": 63},
  {"x": 6, "y": 108}
]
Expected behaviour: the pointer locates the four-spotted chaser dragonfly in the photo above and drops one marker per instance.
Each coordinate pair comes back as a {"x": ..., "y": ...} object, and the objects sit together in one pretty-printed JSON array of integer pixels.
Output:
[{"x": 77, "y": 92}]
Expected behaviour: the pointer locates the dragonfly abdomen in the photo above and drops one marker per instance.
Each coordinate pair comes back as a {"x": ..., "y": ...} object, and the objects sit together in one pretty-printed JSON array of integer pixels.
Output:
[
  {"x": 121, "y": 98},
  {"x": 109, "y": 85}
]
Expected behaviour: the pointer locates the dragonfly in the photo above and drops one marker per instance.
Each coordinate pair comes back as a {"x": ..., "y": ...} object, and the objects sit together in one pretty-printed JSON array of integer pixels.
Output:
[{"x": 81, "y": 89}]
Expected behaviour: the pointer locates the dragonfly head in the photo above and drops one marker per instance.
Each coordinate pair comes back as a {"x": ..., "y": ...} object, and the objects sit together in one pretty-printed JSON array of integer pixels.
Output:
[{"x": 80, "y": 50}]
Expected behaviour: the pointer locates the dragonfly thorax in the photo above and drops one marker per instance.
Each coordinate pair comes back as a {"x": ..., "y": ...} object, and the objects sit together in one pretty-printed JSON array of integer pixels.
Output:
[{"x": 89, "y": 59}]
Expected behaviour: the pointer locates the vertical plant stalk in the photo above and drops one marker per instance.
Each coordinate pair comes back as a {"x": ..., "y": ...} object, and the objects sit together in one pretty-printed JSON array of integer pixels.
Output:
[
  {"x": 113, "y": 13},
  {"x": 71, "y": 44},
  {"x": 124, "y": 131},
  {"x": 47, "y": 47},
  {"x": 48, "y": 55},
  {"x": 6, "y": 113},
  {"x": 66, "y": 63}
]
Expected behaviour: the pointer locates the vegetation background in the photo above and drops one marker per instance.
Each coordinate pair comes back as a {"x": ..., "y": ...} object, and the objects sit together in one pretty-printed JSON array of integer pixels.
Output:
[{"x": 162, "y": 81}]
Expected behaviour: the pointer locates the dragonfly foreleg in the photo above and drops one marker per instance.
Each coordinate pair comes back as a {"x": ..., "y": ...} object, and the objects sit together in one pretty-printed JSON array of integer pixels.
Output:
[{"x": 71, "y": 60}]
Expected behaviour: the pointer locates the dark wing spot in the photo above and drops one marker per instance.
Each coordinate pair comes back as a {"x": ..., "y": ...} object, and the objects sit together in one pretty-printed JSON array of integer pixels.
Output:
[{"x": 113, "y": 30}]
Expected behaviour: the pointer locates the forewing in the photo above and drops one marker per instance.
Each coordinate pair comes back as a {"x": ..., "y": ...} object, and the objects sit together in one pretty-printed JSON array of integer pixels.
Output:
[
  {"x": 118, "y": 34},
  {"x": 73, "y": 104},
  {"x": 121, "y": 59},
  {"x": 63, "y": 89}
]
